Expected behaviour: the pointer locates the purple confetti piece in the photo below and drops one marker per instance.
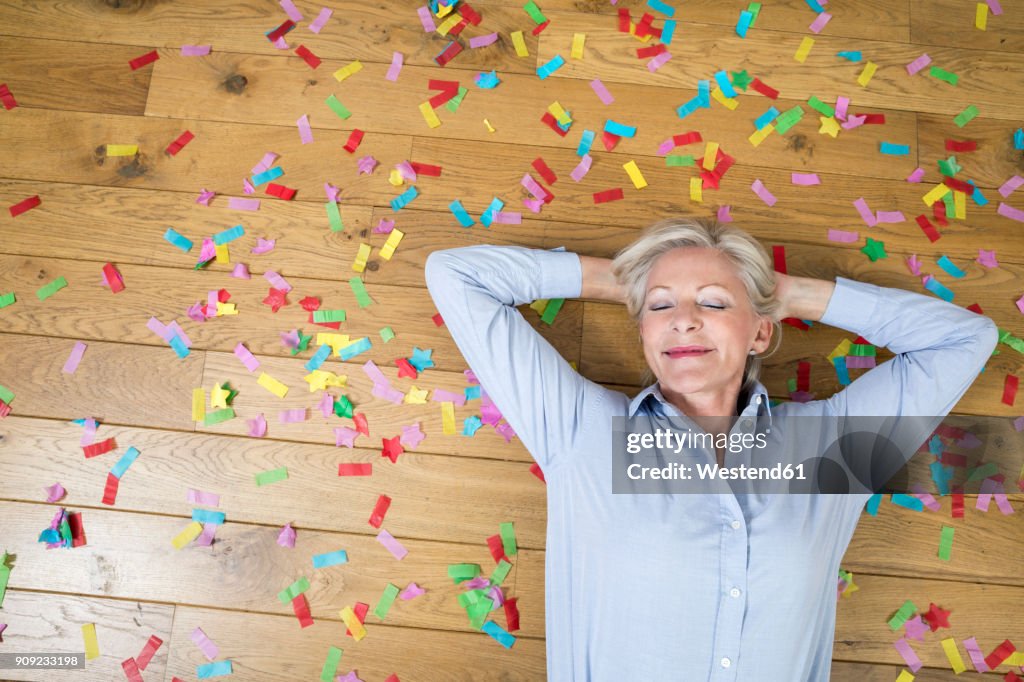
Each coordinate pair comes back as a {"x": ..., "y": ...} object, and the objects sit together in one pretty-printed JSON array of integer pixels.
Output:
[
  {"x": 916, "y": 627},
  {"x": 205, "y": 644},
  {"x": 762, "y": 191},
  {"x": 723, "y": 214},
  {"x": 819, "y": 22},
  {"x": 386, "y": 392},
  {"x": 290, "y": 339},
  {"x": 507, "y": 218},
  {"x": 257, "y": 426},
  {"x": 889, "y": 217},
  {"x": 263, "y": 245},
  {"x": 291, "y": 10},
  {"x": 247, "y": 358},
  {"x": 326, "y": 404},
  {"x": 658, "y": 61},
  {"x": 278, "y": 282},
  {"x": 916, "y": 175},
  {"x": 305, "y": 131},
  {"x": 211, "y": 303},
  {"x": 74, "y": 358},
  {"x": 89, "y": 434},
  {"x": 489, "y": 413},
  {"x": 411, "y": 591},
  {"x": 392, "y": 545},
  {"x": 176, "y": 330},
  {"x": 926, "y": 498},
  {"x": 470, "y": 376},
  {"x": 205, "y": 196},
  {"x": 843, "y": 236},
  {"x": 1018, "y": 423},
  {"x": 286, "y": 538},
  {"x": 331, "y": 191},
  {"x": 373, "y": 371},
  {"x": 601, "y": 91},
  {"x": 977, "y": 658},
  {"x": 918, "y": 64},
  {"x": 477, "y": 583},
  {"x": 205, "y": 538},
  {"x": 265, "y": 163},
  {"x": 426, "y": 19},
  {"x": 411, "y": 435},
  {"x": 805, "y": 179},
  {"x": 241, "y": 271},
  {"x": 582, "y": 168},
  {"x": 321, "y": 20},
  {"x": 533, "y": 204},
  {"x": 281, "y": 44},
  {"x": 854, "y": 122},
  {"x": 344, "y": 435},
  {"x": 240, "y": 204},
  {"x": 195, "y": 313},
  {"x": 506, "y": 431},
  {"x": 442, "y": 396},
  {"x": 384, "y": 226},
  {"x": 997, "y": 9},
  {"x": 483, "y": 41},
  {"x": 349, "y": 677},
  {"x": 406, "y": 170},
  {"x": 203, "y": 499},
  {"x": 247, "y": 187},
  {"x": 858, "y": 362},
  {"x": 865, "y": 213},
  {"x": 396, "y": 67},
  {"x": 195, "y": 50},
  {"x": 366, "y": 165},
  {"x": 1010, "y": 212},
  {"x": 1010, "y": 185},
  {"x": 842, "y": 104},
  {"x": 159, "y": 328},
  {"x": 54, "y": 492},
  {"x": 533, "y": 188}
]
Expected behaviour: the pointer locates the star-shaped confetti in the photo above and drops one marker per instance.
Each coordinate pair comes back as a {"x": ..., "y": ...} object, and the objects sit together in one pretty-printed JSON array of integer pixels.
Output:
[
  {"x": 275, "y": 299},
  {"x": 303, "y": 343},
  {"x": 405, "y": 369},
  {"x": 344, "y": 435},
  {"x": 310, "y": 303},
  {"x": 829, "y": 126},
  {"x": 916, "y": 628},
  {"x": 412, "y": 435},
  {"x": 392, "y": 448},
  {"x": 421, "y": 358},
  {"x": 219, "y": 396},
  {"x": 987, "y": 258},
  {"x": 937, "y": 617},
  {"x": 741, "y": 79},
  {"x": 366, "y": 165},
  {"x": 874, "y": 250}
]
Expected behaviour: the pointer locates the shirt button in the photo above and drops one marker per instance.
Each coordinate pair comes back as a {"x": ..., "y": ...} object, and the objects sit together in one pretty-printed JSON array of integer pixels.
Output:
[
  {"x": 735, "y": 525},
  {"x": 745, "y": 423},
  {"x": 726, "y": 662},
  {"x": 734, "y": 592}
]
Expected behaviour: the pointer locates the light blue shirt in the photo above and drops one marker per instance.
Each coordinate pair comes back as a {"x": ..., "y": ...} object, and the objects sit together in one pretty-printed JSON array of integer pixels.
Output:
[{"x": 686, "y": 587}]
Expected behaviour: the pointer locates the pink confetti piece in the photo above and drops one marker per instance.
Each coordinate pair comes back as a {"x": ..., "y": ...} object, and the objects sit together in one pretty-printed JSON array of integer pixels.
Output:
[
  {"x": 159, "y": 328},
  {"x": 344, "y": 435},
  {"x": 865, "y": 213},
  {"x": 1010, "y": 185},
  {"x": 842, "y": 103},
  {"x": 508, "y": 218},
  {"x": 806, "y": 179},
  {"x": 889, "y": 217},
  {"x": 391, "y": 544},
  {"x": 1020, "y": 304},
  {"x": 533, "y": 188},
  {"x": 483, "y": 41},
  {"x": 247, "y": 358},
  {"x": 411, "y": 591},
  {"x": 290, "y": 339},
  {"x": 470, "y": 376},
  {"x": 278, "y": 282},
  {"x": 331, "y": 191},
  {"x": 411, "y": 435},
  {"x": 442, "y": 396},
  {"x": 54, "y": 492},
  {"x": 348, "y": 677},
  {"x": 281, "y": 44},
  {"x": 396, "y": 67},
  {"x": 286, "y": 538},
  {"x": 265, "y": 163},
  {"x": 406, "y": 170},
  {"x": 175, "y": 329},
  {"x": 195, "y": 50},
  {"x": 366, "y": 165},
  {"x": 3, "y": 626},
  {"x": 601, "y": 91},
  {"x": 212, "y": 297},
  {"x": 1010, "y": 212},
  {"x": 241, "y": 271},
  {"x": 205, "y": 644},
  {"x": 761, "y": 191},
  {"x": 916, "y": 627},
  {"x": 205, "y": 538},
  {"x": 506, "y": 431},
  {"x": 918, "y": 64},
  {"x": 658, "y": 61},
  {"x": 208, "y": 250},
  {"x": 195, "y": 312},
  {"x": 994, "y": 5},
  {"x": 291, "y": 10},
  {"x": 582, "y": 168},
  {"x": 371, "y": 370},
  {"x": 857, "y": 362},
  {"x": 723, "y": 214},
  {"x": 89, "y": 434},
  {"x": 916, "y": 175},
  {"x": 257, "y": 426},
  {"x": 203, "y": 498},
  {"x": 843, "y": 236},
  {"x": 533, "y": 204},
  {"x": 321, "y": 20},
  {"x": 305, "y": 131},
  {"x": 477, "y": 583},
  {"x": 977, "y": 658},
  {"x": 244, "y": 204},
  {"x": 205, "y": 197},
  {"x": 854, "y": 122},
  {"x": 74, "y": 358},
  {"x": 665, "y": 147},
  {"x": 496, "y": 596},
  {"x": 926, "y": 498},
  {"x": 387, "y": 392},
  {"x": 263, "y": 246},
  {"x": 292, "y": 416},
  {"x": 819, "y": 22},
  {"x": 247, "y": 187},
  {"x": 489, "y": 413},
  {"x": 385, "y": 226},
  {"x": 426, "y": 19}
]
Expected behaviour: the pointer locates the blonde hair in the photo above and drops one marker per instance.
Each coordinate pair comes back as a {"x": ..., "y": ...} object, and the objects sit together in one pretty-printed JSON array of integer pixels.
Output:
[{"x": 632, "y": 266}]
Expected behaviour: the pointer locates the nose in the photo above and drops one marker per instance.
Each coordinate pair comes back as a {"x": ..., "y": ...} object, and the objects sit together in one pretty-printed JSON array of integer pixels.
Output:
[{"x": 686, "y": 316}]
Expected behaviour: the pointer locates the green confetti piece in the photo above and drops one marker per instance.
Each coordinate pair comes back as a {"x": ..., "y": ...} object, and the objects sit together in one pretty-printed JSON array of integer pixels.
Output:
[
  {"x": 343, "y": 407},
  {"x": 359, "y": 289},
  {"x": 329, "y": 315},
  {"x": 331, "y": 665},
  {"x": 460, "y": 572},
  {"x": 478, "y": 612},
  {"x": 788, "y": 119},
  {"x": 965, "y": 116},
  {"x": 950, "y": 204},
  {"x": 754, "y": 8},
  {"x": 7, "y": 299},
  {"x": 5, "y": 575},
  {"x": 508, "y": 538},
  {"x": 791, "y": 385},
  {"x": 944, "y": 75},
  {"x": 679, "y": 160},
  {"x": 1014, "y": 342},
  {"x": 386, "y": 600},
  {"x": 949, "y": 166},
  {"x": 286, "y": 595},
  {"x": 386, "y": 334},
  {"x": 821, "y": 107},
  {"x": 534, "y": 12},
  {"x": 863, "y": 350},
  {"x": 452, "y": 105},
  {"x": 303, "y": 343},
  {"x": 338, "y": 108},
  {"x": 946, "y": 543},
  {"x": 334, "y": 216},
  {"x": 905, "y": 612},
  {"x": 272, "y": 476},
  {"x": 983, "y": 472},
  {"x": 6, "y": 394},
  {"x": 219, "y": 416},
  {"x": 48, "y": 290},
  {"x": 551, "y": 309},
  {"x": 874, "y": 250},
  {"x": 500, "y": 572},
  {"x": 741, "y": 79}
]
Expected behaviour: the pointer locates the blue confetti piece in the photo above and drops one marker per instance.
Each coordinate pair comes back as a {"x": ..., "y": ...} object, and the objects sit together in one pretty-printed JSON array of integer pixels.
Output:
[
  {"x": 487, "y": 81},
  {"x": 267, "y": 176},
  {"x": 722, "y": 78},
  {"x": 498, "y": 633},
  {"x": 207, "y": 516},
  {"x": 704, "y": 93},
  {"x": 936, "y": 287},
  {"x": 686, "y": 109},
  {"x": 908, "y": 501},
  {"x": 841, "y": 370},
  {"x": 894, "y": 149},
  {"x": 619, "y": 129},
  {"x": 659, "y": 6},
  {"x": 182, "y": 242},
  {"x": 851, "y": 56},
  {"x": 460, "y": 213},
  {"x": 766, "y": 118},
  {"x": 50, "y": 536},
  {"x": 330, "y": 559},
  {"x": 942, "y": 475},
  {"x": 179, "y": 346},
  {"x": 126, "y": 461},
  {"x": 978, "y": 197},
  {"x": 949, "y": 267},
  {"x": 743, "y": 25},
  {"x": 217, "y": 669},
  {"x": 813, "y": 4},
  {"x": 872, "y": 506},
  {"x": 471, "y": 425},
  {"x": 487, "y": 217},
  {"x": 318, "y": 358},
  {"x": 421, "y": 358},
  {"x": 354, "y": 349},
  {"x": 403, "y": 199},
  {"x": 228, "y": 235},
  {"x": 667, "y": 31},
  {"x": 1018, "y": 138},
  {"x": 471, "y": 392},
  {"x": 585, "y": 143},
  {"x": 565, "y": 126},
  {"x": 552, "y": 65}
]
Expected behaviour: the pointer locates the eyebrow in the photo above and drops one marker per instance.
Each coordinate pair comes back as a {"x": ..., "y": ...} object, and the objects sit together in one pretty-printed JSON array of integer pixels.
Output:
[{"x": 712, "y": 284}]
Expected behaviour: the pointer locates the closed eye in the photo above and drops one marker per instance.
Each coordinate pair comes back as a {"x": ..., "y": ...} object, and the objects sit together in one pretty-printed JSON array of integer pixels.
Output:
[{"x": 706, "y": 305}]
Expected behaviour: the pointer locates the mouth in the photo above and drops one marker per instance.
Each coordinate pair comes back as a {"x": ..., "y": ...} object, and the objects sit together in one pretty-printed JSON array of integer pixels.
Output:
[{"x": 687, "y": 352}]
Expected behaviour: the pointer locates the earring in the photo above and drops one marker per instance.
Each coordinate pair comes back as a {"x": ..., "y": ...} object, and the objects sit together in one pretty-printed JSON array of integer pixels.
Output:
[{"x": 752, "y": 352}]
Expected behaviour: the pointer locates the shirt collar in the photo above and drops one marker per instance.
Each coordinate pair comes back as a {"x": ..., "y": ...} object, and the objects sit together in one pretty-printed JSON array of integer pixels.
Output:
[{"x": 757, "y": 400}]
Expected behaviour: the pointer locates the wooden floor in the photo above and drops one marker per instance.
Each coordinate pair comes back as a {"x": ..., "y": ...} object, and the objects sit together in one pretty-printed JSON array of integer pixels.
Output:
[{"x": 67, "y": 65}]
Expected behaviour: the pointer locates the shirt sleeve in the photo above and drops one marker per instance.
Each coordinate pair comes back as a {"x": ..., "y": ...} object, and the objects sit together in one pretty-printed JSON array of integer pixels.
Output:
[{"x": 476, "y": 289}]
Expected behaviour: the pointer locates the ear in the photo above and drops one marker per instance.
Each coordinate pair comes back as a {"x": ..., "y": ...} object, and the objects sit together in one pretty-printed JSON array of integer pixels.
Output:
[{"x": 763, "y": 339}]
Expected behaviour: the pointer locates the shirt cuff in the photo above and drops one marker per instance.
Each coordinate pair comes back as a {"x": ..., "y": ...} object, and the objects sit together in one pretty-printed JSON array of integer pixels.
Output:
[
  {"x": 561, "y": 274},
  {"x": 852, "y": 306}
]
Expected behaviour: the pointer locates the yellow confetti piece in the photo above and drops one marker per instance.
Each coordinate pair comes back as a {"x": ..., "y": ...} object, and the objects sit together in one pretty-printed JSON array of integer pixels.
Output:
[
  {"x": 361, "y": 257},
  {"x": 429, "y": 116},
  {"x": 842, "y": 350},
  {"x": 935, "y": 194},
  {"x": 865, "y": 76},
  {"x": 519, "y": 44},
  {"x": 559, "y": 113},
  {"x": 981, "y": 16},
  {"x": 539, "y": 305},
  {"x": 273, "y": 385},
  {"x": 635, "y": 175},
  {"x": 388, "y": 250},
  {"x": 352, "y": 623},
  {"x": 348, "y": 70},
  {"x": 221, "y": 251},
  {"x": 696, "y": 191},
  {"x": 905, "y": 676},
  {"x": 335, "y": 341},
  {"x": 727, "y": 102},
  {"x": 758, "y": 137},
  {"x": 444, "y": 10},
  {"x": 226, "y": 308},
  {"x": 632, "y": 32},
  {"x": 219, "y": 396},
  {"x": 490, "y": 128},
  {"x": 396, "y": 178},
  {"x": 829, "y": 126},
  {"x": 186, "y": 536},
  {"x": 198, "y": 405},
  {"x": 1016, "y": 659},
  {"x": 710, "y": 155},
  {"x": 448, "y": 24},
  {"x": 448, "y": 418},
  {"x": 577, "y": 45},
  {"x": 850, "y": 586},
  {"x": 960, "y": 205},
  {"x": 92, "y": 647},
  {"x": 122, "y": 149},
  {"x": 416, "y": 396},
  {"x": 953, "y": 654},
  {"x": 805, "y": 49}
]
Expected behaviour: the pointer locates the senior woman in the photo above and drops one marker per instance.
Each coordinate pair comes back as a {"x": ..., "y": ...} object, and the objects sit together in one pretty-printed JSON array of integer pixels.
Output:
[{"x": 690, "y": 587}]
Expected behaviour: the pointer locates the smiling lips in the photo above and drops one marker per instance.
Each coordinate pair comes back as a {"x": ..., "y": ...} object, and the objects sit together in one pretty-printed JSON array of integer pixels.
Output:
[{"x": 687, "y": 352}]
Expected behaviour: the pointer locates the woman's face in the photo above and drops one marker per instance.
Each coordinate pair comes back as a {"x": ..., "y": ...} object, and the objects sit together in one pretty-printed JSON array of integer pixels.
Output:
[{"x": 695, "y": 299}]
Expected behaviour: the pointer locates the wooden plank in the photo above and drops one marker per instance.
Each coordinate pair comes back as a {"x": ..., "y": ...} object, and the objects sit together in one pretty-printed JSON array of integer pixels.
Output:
[
  {"x": 869, "y": 20},
  {"x": 300, "y": 653},
  {"x": 39, "y": 622},
  {"x": 379, "y": 106},
  {"x": 70, "y": 81},
  {"x": 129, "y": 556},
  {"x": 119, "y": 383},
  {"x": 995, "y": 161},
  {"x": 434, "y": 497},
  {"x": 355, "y": 31},
  {"x": 845, "y": 671},
  {"x": 947, "y": 22},
  {"x": 611, "y": 56},
  {"x": 167, "y": 294}
]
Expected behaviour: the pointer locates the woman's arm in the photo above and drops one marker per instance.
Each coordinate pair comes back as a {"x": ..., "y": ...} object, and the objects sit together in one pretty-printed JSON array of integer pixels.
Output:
[
  {"x": 804, "y": 298},
  {"x": 598, "y": 281}
]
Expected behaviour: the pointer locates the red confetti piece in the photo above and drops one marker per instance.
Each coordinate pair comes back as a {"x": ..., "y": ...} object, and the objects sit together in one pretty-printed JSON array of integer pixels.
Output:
[
  {"x": 392, "y": 678},
  {"x": 131, "y": 670},
  {"x": 301, "y": 608},
  {"x": 457, "y": 28},
  {"x": 929, "y": 229},
  {"x": 110, "y": 489},
  {"x": 280, "y": 30},
  {"x": 6, "y": 97},
  {"x": 438, "y": 320},
  {"x": 959, "y": 185},
  {"x": 1010, "y": 389},
  {"x": 275, "y": 299},
  {"x": 361, "y": 425},
  {"x": 537, "y": 471},
  {"x": 644, "y": 28},
  {"x": 308, "y": 56},
  {"x": 760, "y": 87},
  {"x": 147, "y": 58},
  {"x": 796, "y": 322},
  {"x": 448, "y": 90},
  {"x": 779, "y": 258},
  {"x": 426, "y": 169},
  {"x": 223, "y": 295},
  {"x": 379, "y": 510},
  {"x": 936, "y": 617},
  {"x": 1000, "y": 654},
  {"x": 310, "y": 303},
  {"x": 448, "y": 53},
  {"x": 469, "y": 14},
  {"x": 872, "y": 119},
  {"x": 147, "y": 651},
  {"x": 405, "y": 369},
  {"x": 961, "y": 145},
  {"x": 99, "y": 448},
  {"x": 280, "y": 191},
  {"x": 652, "y": 51},
  {"x": 77, "y": 530},
  {"x": 511, "y": 614},
  {"x": 25, "y": 205},
  {"x": 608, "y": 195},
  {"x": 958, "y": 502},
  {"x": 360, "y": 609},
  {"x": 354, "y": 139},
  {"x": 623, "y": 20},
  {"x": 545, "y": 171},
  {"x": 183, "y": 139},
  {"x": 609, "y": 140},
  {"x": 952, "y": 459},
  {"x": 687, "y": 138},
  {"x": 5, "y": 409},
  {"x": 540, "y": 27},
  {"x": 975, "y": 308},
  {"x": 497, "y": 548},
  {"x": 550, "y": 121},
  {"x": 803, "y": 376},
  {"x": 114, "y": 278},
  {"x": 355, "y": 469},
  {"x": 392, "y": 448}
]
